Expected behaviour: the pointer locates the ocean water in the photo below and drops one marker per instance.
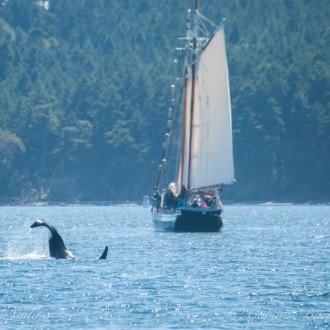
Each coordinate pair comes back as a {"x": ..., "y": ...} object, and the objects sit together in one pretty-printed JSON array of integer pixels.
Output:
[{"x": 268, "y": 267}]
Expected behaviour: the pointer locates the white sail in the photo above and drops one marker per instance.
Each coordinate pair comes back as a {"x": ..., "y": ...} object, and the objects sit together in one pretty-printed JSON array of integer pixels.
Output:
[{"x": 212, "y": 149}]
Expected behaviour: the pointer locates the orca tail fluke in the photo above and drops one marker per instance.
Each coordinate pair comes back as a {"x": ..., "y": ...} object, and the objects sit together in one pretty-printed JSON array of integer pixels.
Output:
[
  {"x": 38, "y": 223},
  {"x": 104, "y": 254}
]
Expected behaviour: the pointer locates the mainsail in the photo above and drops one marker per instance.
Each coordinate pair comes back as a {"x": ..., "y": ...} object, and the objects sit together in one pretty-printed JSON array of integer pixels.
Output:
[{"x": 211, "y": 158}]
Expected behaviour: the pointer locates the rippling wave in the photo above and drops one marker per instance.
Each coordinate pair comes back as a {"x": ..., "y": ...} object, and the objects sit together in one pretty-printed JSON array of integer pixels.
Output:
[{"x": 268, "y": 267}]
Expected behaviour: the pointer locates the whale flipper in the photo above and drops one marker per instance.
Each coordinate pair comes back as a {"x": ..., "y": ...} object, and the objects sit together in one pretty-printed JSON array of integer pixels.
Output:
[
  {"x": 57, "y": 248},
  {"x": 104, "y": 254}
]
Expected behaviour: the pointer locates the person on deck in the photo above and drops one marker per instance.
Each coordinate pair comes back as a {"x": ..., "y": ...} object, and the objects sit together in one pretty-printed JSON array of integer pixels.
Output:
[
  {"x": 182, "y": 196},
  {"x": 170, "y": 198},
  {"x": 156, "y": 198}
]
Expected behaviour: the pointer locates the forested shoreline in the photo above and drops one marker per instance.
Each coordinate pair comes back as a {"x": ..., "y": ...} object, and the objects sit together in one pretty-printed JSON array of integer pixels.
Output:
[{"x": 85, "y": 88}]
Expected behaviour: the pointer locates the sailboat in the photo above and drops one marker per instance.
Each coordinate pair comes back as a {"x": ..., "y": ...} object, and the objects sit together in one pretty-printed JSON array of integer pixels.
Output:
[{"x": 197, "y": 159}]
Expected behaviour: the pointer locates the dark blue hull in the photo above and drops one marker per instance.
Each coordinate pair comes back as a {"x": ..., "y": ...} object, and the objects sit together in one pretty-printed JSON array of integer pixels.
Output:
[
  {"x": 198, "y": 223},
  {"x": 188, "y": 220}
]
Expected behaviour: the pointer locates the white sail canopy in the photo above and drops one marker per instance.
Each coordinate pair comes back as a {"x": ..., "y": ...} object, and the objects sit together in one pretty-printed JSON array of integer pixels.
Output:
[{"x": 211, "y": 160}]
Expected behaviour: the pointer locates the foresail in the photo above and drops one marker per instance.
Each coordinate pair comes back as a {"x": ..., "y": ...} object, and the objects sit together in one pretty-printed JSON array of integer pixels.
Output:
[{"x": 212, "y": 149}]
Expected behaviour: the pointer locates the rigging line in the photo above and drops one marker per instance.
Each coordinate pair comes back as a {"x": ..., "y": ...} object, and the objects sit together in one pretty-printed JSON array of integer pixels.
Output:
[
  {"x": 205, "y": 19},
  {"x": 159, "y": 177},
  {"x": 174, "y": 124},
  {"x": 203, "y": 31},
  {"x": 202, "y": 27},
  {"x": 167, "y": 151},
  {"x": 164, "y": 156}
]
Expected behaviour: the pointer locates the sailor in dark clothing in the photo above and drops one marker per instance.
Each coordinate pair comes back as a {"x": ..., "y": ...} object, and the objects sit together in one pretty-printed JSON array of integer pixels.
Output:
[
  {"x": 183, "y": 192},
  {"x": 156, "y": 198},
  {"x": 170, "y": 198},
  {"x": 182, "y": 196}
]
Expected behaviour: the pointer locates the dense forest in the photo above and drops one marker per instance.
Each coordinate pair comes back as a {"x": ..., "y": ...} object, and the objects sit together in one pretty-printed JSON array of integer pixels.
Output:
[{"x": 85, "y": 88}]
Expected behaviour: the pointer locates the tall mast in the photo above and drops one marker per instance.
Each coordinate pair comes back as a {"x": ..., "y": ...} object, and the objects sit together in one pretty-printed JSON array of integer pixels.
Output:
[
  {"x": 188, "y": 35},
  {"x": 193, "y": 73}
]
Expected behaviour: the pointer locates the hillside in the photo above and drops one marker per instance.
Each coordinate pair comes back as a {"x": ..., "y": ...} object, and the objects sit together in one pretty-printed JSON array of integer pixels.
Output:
[{"x": 85, "y": 87}]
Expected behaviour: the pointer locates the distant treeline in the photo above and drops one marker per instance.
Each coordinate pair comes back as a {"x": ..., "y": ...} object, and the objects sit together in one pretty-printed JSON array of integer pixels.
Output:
[{"x": 85, "y": 88}]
